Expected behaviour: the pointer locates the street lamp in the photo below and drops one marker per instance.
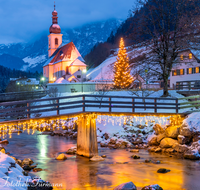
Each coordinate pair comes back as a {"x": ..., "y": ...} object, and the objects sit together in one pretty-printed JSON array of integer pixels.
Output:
[
  {"x": 83, "y": 71},
  {"x": 146, "y": 72},
  {"x": 42, "y": 79}
]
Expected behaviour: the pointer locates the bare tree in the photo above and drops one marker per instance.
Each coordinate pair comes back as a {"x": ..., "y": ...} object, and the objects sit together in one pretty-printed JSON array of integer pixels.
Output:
[
  {"x": 102, "y": 89},
  {"x": 53, "y": 93},
  {"x": 141, "y": 92},
  {"x": 166, "y": 26}
]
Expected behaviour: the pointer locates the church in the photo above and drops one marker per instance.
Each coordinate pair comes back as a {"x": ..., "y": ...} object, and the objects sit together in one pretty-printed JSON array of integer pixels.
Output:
[{"x": 65, "y": 63}]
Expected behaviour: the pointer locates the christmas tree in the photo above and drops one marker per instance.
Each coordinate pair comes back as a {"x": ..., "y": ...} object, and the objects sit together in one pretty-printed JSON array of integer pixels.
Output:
[{"x": 122, "y": 76}]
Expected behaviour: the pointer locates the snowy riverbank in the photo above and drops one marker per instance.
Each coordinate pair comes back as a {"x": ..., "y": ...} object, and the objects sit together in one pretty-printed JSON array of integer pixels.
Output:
[{"x": 13, "y": 177}]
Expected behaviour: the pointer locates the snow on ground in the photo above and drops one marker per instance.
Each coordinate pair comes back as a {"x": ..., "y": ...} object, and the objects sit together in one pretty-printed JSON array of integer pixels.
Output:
[
  {"x": 11, "y": 174},
  {"x": 193, "y": 122},
  {"x": 33, "y": 62},
  {"x": 105, "y": 69}
]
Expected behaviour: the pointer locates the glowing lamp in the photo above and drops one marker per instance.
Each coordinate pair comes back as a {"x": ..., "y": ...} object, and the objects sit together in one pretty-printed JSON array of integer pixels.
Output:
[
  {"x": 84, "y": 71},
  {"x": 43, "y": 79}
]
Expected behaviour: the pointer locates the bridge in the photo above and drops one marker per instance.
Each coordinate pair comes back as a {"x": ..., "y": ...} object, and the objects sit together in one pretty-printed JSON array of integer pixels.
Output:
[{"x": 32, "y": 113}]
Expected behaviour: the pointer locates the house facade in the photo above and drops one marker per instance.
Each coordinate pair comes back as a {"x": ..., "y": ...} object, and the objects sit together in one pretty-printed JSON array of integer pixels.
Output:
[
  {"x": 186, "y": 70},
  {"x": 64, "y": 61}
]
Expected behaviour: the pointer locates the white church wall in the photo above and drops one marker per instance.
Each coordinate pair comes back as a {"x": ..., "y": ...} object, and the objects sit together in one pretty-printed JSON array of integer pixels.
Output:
[{"x": 73, "y": 87}]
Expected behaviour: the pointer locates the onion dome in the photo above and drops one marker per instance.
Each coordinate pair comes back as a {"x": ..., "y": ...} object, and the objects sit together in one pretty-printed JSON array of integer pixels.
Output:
[{"x": 55, "y": 28}]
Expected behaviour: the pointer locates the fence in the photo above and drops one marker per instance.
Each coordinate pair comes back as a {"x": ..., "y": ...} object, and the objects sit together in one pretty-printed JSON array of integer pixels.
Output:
[
  {"x": 194, "y": 102},
  {"x": 87, "y": 103},
  {"x": 15, "y": 96},
  {"x": 188, "y": 85}
]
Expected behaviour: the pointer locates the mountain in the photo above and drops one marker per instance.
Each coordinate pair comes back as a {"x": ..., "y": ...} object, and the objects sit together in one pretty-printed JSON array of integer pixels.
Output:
[
  {"x": 34, "y": 54},
  {"x": 11, "y": 61}
]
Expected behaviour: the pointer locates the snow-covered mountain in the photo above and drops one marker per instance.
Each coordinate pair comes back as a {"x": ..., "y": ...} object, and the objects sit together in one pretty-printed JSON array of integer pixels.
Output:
[{"x": 34, "y": 54}]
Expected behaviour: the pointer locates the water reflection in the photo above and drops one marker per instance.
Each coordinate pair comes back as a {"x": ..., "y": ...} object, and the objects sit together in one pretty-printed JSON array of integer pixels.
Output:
[
  {"x": 79, "y": 173},
  {"x": 42, "y": 146}
]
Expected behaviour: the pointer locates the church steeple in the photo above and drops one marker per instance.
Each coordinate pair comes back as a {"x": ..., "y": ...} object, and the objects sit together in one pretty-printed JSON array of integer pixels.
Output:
[
  {"x": 55, "y": 37},
  {"x": 55, "y": 28}
]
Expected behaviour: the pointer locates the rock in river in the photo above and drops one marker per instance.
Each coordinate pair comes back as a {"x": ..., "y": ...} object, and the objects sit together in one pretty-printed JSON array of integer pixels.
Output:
[
  {"x": 152, "y": 187},
  {"x": 61, "y": 157},
  {"x": 126, "y": 186},
  {"x": 97, "y": 158},
  {"x": 163, "y": 170},
  {"x": 167, "y": 143}
]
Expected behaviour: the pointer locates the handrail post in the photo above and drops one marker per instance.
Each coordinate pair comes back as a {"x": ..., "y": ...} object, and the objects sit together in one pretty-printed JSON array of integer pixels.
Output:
[
  {"x": 155, "y": 105},
  {"x": 28, "y": 110},
  {"x": 110, "y": 104},
  {"x": 133, "y": 105},
  {"x": 57, "y": 102},
  {"x": 177, "y": 105},
  {"x": 83, "y": 98}
]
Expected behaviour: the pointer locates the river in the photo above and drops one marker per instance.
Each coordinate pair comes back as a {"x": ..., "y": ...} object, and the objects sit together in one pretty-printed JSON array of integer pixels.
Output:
[{"x": 79, "y": 173}]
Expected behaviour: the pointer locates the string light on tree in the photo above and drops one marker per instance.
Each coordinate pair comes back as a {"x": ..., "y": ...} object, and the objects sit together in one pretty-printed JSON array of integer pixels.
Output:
[{"x": 122, "y": 76}]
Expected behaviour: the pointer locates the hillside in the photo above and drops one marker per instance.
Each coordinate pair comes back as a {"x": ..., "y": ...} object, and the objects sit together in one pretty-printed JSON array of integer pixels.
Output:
[
  {"x": 137, "y": 54},
  {"x": 7, "y": 73}
]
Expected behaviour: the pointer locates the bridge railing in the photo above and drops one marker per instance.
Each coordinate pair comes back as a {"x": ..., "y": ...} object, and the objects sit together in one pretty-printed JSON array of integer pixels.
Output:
[
  {"x": 86, "y": 103},
  {"x": 193, "y": 102}
]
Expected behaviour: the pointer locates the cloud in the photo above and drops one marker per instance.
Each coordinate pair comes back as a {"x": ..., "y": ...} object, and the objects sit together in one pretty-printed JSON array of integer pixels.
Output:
[{"x": 22, "y": 20}]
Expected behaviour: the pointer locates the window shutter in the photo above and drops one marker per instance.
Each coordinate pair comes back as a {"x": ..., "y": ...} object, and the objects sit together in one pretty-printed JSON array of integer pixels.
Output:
[
  {"x": 199, "y": 69},
  {"x": 183, "y": 71},
  {"x": 172, "y": 72},
  {"x": 193, "y": 70},
  {"x": 187, "y": 70}
]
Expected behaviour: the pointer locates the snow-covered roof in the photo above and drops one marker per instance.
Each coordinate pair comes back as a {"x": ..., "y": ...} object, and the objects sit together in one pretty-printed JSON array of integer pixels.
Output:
[
  {"x": 81, "y": 59},
  {"x": 61, "y": 81},
  {"x": 48, "y": 61},
  {"x": 64, "y": 53},
  {"x": 77, "y": 62}
]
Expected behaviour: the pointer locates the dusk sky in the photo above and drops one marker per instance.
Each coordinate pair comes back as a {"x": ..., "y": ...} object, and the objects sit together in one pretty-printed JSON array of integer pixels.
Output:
[{"x": 24, "y": 20}]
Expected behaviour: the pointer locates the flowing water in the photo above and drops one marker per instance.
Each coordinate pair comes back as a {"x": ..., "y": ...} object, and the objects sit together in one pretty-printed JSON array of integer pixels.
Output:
[{"x": 79, "y": 173}]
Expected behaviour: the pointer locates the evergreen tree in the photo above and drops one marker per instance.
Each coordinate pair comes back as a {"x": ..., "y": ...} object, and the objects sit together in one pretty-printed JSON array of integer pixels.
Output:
[{"x": 122, "y": 76}]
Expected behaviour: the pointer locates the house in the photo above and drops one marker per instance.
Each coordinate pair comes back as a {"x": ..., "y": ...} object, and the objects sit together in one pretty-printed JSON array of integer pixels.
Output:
[
  {"x": 23, "y": 84},
  {"x": 64, "y": 61},
  {"x": 186, "y": 70}
]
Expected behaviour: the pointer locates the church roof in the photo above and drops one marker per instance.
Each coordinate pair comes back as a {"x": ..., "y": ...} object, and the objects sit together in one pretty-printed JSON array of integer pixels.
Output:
[
  {"x": 64, "y": 53},
  {"x": 77, "y": 62}
]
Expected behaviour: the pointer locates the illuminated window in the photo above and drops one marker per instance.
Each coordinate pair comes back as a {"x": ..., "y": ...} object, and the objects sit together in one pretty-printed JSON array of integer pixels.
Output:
[
  {"x": 56, "y": 41},
  {"x": 181, "y": 57},
  {"x": 190, "y": 56},
  {"x": 189, "y": 70},
  {"x": 182, "y": 72},
  {"x": 197, "y": 69},
  {"x": 174, "y": 73}
]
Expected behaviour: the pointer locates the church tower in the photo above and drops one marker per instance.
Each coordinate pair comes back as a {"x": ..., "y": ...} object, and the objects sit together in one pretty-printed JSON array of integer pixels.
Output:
[{"x": 55, "y": 36}]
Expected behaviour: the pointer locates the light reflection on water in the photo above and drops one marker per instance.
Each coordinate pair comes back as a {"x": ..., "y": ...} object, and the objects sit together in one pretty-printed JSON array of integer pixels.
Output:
[{"x": 78, "y": 173}]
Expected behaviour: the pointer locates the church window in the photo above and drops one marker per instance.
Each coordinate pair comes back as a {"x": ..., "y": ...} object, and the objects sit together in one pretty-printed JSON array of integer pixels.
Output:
[
  {"x": 56, "y": 41},
  {"x": 67, "y": 70}
]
